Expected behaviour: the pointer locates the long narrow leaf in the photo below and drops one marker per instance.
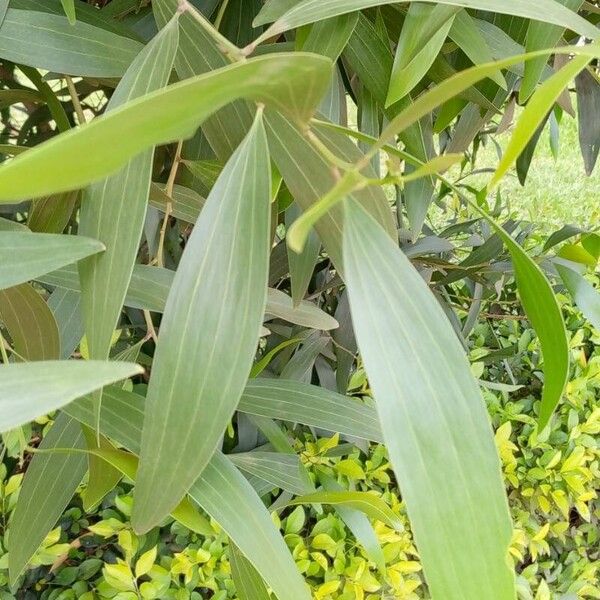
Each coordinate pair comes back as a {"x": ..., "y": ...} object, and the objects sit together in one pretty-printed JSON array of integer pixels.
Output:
[
  {"x": 48, "y": 486},
  {"x": 209, "y": 331},
  {"x": 222, "y": 491},
  {"x": 432, "y": 415},
  {"x": 113, "y": 209},
  {"x": 25, "y": 256},
  {"x": 50, "y": 42},
  {"x": 280, "y": 80},
  {"x": 50, "y": 385}
]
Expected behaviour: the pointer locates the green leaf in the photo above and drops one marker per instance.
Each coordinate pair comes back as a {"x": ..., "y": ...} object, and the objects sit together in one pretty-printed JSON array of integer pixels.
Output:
[
  {"x": 30, "y": 323},
  {"x": 53, "y": 213},
  {"x": 47, "y": 41},
  {"x": 539, "y": 36},
  {"x": 310, "y": 405},
  {"x": 467, "y": 36},
  {"x": 65, "y": 306},
  {"x": 330, "y": 36},
  {"x": 281, "y": 470},
  {"x": 305, "y": 313},
  {"x": 207, "y": 343},
  {"x": 368, "y": 503},
  {"x": 3, "y": 9},
  {"x": 280, "y": 80},
  {"x": 149, "y": 288},
  {"x": 585, "y": 295},
  {"x": 536, "y": 112},
  {"x": 543, "y": 311},
  {"x": 291, "y": 15},
  {"x": 359, "y": 524},
  {"x": 127, "y": 464},
  {"x": 48, "y": 486},
  {"x": 402, "y": 331},
  {"x": 102, "y": 477},
  {"x": 69, "y": 8},
  {"x": 249, "y": 585},
  {"x": 302, "y": 264},
  {"x": 308, "y": 176},
  {"x": 186, "y": 204},
  {"x": 423, "y": 34},
  {"x": 113, "y": 210},
  {"x": 453, "y": 86},
  {"x": 224, "y": 494},
  {"x": 25, "y": 256},
  {"x": 50, "y": 385}
]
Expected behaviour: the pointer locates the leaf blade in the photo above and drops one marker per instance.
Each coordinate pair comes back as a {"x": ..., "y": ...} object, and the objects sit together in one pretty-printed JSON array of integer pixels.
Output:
[
  {"x": 25, "y": 256},
  {"x": 204, "y": 370},
  {"x": 428, "y": 415},
  {"x": 51, "y": 385}
]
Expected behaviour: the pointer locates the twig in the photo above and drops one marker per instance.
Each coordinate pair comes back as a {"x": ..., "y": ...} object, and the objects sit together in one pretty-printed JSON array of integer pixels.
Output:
[
  {"x": 75, "y": 100},
  {"x": 169, "y": 208}
]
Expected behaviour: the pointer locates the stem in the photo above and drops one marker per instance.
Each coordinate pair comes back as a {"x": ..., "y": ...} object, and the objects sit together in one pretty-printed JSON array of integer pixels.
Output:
[
  {"x": 169, "y": 207},
  {"x": 75, "y": 100},
  {"x": 221, "y": 13},
  {"x": 229, "y": 49},
  {"x": 150, "y": 325}
]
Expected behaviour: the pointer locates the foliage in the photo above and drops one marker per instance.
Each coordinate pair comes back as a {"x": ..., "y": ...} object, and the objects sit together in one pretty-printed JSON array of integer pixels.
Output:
[
  {"x": 552, "y": 486},
  {"x": 185, "y": 194}
]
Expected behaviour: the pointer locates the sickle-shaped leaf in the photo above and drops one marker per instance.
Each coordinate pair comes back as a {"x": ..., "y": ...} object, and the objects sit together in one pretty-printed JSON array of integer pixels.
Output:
[
  {"x": 50, "y": 42},
  {"x": 48, "y": 486},
  {"x": 310, "y": 405},
  {"x": 30, "y": 323},
  {"x": 52, "y": 384},
  {"x": 113, "y": 209},
  {"x": 305, "y": 313},
  {"x": 209, "y": 331},
  {"x": 289, "y": 15},
  {"x": 293, "y": 83},
  {"x": 25, "y": 256},
  {"x": 221, "y": 490},
  {"x": 149, "y": 288},
  {"x": 433, "y": 419}
]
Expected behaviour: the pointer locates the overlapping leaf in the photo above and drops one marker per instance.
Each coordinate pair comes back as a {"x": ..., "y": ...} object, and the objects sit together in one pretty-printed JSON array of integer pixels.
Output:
[
  {"x": 289, "y": 15},
  {"x": 113, "y": 209},
  {"x": 48, "y": 486},
  {"x": 281, "y": 80},
  {"x": 50, "y": 385}
]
